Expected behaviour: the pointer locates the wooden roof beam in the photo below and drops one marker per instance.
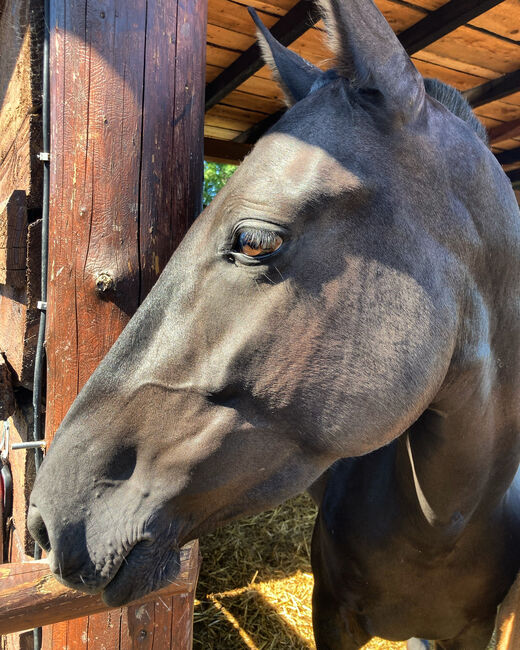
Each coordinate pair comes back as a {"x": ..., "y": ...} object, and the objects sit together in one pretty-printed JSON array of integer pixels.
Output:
[
  {"x": 509, "y": 157},
  {"x": 494, "y": 89},
  {"x": 443, "y": 21},
  {"x": 514, "y": 177},
  {"x": 225, "y": 151},
  {"x": 290, "y": 27},
  {"x": 256, "y": 131}
]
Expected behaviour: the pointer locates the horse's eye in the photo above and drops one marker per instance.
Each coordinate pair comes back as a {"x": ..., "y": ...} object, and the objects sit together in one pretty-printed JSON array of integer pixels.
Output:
[{"x": 257, "y": 242}]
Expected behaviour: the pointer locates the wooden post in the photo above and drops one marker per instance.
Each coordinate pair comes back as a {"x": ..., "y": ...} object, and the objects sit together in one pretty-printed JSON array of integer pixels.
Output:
[{"x": 127, "y": 110}]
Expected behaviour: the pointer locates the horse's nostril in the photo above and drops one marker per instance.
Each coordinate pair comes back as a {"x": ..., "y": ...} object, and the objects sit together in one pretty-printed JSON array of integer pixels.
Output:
[{"x": 37, "y": 528}]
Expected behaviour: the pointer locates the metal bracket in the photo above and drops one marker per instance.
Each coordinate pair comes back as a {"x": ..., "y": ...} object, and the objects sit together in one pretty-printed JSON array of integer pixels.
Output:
[
  {"x": 4, "y": 444},
  {"x": 44, "y": 156},
  {"x": 42, "y": 306},
  {"x": 30, "y": 444}
]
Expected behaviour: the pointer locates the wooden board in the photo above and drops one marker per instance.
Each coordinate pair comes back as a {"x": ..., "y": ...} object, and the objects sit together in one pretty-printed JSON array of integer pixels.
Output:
[
  {"x": 504, "y": 20},
  {"x": 30, "y": 596},
  {"x": 19, "y": 316}
]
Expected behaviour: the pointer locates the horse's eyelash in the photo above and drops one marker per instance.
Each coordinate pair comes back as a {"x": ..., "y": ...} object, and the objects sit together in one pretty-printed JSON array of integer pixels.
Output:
[{"x": 257, "y": 237}]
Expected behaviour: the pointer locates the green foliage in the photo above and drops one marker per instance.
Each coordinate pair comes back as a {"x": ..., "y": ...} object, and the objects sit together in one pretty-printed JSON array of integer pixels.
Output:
[{"x": 216, "y": 176}]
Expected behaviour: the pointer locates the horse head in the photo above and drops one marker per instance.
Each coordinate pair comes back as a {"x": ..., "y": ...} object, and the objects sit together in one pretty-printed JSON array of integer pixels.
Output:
[{"x": 312, "y": 312}]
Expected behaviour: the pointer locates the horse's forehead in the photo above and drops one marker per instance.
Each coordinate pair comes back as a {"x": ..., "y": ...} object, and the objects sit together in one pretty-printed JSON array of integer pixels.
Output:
[{"x": 289, "y": 167}]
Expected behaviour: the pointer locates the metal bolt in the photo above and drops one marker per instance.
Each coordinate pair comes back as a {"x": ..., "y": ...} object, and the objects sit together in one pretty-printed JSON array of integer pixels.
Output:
[
  {"x": 104, "y": 282},
  {"x": 142, "y": 635}
]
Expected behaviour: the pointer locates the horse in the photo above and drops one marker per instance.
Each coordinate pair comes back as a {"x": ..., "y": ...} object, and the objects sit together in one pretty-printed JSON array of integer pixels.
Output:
[{"x": 342, "y": 318}]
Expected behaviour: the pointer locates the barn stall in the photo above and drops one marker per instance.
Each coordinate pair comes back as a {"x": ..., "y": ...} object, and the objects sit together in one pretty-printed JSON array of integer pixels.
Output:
[{"x": 133, "y": 89}]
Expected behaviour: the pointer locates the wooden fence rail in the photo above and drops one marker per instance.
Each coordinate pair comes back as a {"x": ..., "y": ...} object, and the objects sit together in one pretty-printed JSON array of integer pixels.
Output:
[{"x": 30, "y": 596}]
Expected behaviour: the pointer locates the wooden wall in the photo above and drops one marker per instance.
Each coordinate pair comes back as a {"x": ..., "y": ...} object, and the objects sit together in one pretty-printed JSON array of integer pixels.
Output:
[{"x": 21, "y": 23}]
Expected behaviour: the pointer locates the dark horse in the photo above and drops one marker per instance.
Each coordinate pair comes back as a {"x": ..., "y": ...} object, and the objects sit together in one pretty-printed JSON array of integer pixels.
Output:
[{"x": 344, "y": 316}]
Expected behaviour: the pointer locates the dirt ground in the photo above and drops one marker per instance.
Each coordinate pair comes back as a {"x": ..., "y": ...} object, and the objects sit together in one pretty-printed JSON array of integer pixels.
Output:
[{"x": 255, "y": 584}]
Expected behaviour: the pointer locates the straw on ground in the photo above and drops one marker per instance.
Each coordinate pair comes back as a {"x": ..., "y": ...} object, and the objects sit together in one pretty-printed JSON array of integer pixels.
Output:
[{"x": 255, "y": 584}]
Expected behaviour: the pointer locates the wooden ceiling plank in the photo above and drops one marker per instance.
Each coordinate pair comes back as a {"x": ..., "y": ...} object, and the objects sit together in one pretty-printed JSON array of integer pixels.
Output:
[
  {"x": 235, "y": 18},
  {"x": 512, "y": 99},
  {"x": 457, "y": 78},
  {"x": 277, "y": 7},
  {"x": 251, "y": 102},
  {"x": 220, "y": 133},
  {"x": 443, "y": 21},
  {"x": 504, "y": 131},
  {"x": 217, "y": 35},
  {"x": 286, "y": 30},
  {"x": 499, "y": 111},
  {"x": 494, "y": 89},
  {"x": 255, "y": 85},
  {"x": 503, "y": 20},
  {"x": 504, "y": 145},
  {"x": 474, "y": 51}
]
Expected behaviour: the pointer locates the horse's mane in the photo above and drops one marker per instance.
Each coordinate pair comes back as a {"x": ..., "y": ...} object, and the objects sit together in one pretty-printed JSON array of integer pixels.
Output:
[{"x": 455, "y": 102}]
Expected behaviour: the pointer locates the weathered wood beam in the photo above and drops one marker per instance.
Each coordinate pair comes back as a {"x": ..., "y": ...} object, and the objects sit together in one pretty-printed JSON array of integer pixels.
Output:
[
  {"x": 494, "y": 89},
  {"x": 30, "y": 596},
  {"x": 504, "y": 131},
  {"x": 514, "y": 177},
  {"x": 443, "y": 21},
  {"x": 256, "y": 131},
  {"x": 290, "y": 27},
  {"x": 225, "y": 151},
  {"x": 7, "y": 403},
  {"x": 13, "y": 239},
  {"x": 509, "y": 157}
]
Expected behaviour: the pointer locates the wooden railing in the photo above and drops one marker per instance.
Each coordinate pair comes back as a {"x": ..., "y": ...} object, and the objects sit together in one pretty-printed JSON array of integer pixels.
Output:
[{"x": 30, "y": 596}]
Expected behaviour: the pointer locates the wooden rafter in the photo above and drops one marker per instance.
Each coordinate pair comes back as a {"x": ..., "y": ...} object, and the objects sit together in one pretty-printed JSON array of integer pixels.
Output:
[
  {"x": 514, "y": 177},
  {"x": 509, "y": 157},
  {"x": 256, "y": 131},
  {"x": 494, "y": 89},
  {"x": 290, "y": 27},
  {"x": 225, "y": 151}
]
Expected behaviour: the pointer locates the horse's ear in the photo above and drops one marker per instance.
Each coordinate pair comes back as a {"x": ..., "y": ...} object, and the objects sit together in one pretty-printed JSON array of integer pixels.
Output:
[
  {"x": 370, "y": 55},
  {"x": 295, "y": 75}
]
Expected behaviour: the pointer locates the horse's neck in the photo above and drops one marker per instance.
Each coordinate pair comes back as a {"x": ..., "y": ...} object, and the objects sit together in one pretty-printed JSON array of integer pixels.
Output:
[
  {"x": 462, "y": 453},
  {"x": 458, "y": 464}
]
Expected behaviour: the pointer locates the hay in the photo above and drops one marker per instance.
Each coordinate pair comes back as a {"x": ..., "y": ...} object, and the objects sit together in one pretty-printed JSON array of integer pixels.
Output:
[{"x": 255, "y": 584}]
